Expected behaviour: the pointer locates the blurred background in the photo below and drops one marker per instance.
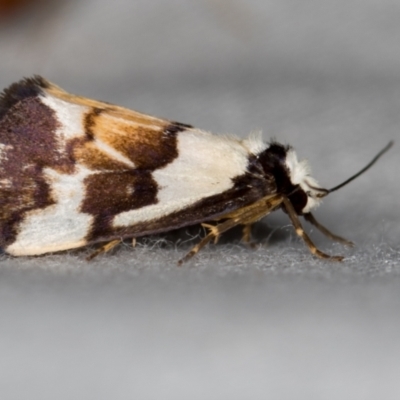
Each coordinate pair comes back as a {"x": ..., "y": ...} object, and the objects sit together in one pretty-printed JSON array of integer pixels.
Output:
[{"x": 321, "y": 75}]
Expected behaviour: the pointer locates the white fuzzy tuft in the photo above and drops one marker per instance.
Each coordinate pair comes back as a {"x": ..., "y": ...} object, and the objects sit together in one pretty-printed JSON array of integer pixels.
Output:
[
  {"x": 254, "y": 143},
  {"x": 300, "y": 175}
]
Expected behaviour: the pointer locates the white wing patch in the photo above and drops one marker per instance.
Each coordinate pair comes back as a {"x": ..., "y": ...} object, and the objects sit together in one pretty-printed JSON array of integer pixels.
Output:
[
  {"x": 204, "y": 167},
  {"x": 69, "y": 117},
  {"x": 60, "y": 226}
]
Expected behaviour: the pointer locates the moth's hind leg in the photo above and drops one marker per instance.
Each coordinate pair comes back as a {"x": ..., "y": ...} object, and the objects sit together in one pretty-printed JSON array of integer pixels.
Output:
[
  {"x": 215, "y": 232},
  {"x": 246, "y": 234},
  {"x": 104, "y": 249}
]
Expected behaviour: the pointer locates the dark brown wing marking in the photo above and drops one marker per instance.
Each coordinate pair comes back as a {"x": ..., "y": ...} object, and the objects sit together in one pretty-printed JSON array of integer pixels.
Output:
[
  {"x": 109, "y": 194},
  {"x": 27, "y": 146},
  {"x": 30, "y": 87}
]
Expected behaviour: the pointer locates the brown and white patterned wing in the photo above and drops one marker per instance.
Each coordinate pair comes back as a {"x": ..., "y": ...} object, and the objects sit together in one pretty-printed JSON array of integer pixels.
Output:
[{"x": 75, "y": 171}]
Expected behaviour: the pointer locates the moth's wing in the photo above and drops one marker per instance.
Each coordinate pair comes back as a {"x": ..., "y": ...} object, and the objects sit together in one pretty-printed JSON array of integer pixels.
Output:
[{"x": 75, "y": 171}]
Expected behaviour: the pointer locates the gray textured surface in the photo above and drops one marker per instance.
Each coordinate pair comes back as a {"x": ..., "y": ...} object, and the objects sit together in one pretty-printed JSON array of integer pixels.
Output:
[{"x": 234, "y": 323}]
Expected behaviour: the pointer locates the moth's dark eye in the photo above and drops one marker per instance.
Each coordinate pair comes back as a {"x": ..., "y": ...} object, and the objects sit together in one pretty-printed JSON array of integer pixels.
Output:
[{"x": 299, "y": 200}]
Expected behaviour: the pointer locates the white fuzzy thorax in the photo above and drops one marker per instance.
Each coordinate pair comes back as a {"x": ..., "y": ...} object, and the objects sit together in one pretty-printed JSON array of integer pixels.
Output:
[
  {"x": 300, "y": 175},
  {"x": 254, "y": 143}
]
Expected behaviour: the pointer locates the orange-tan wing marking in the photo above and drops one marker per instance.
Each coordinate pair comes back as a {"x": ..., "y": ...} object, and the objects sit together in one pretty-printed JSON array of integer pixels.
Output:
[{"x": 118, "y": 138}]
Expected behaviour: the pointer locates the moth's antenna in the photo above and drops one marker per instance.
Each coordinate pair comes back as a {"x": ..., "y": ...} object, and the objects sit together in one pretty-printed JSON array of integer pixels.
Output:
[{"x": 368, "y": 166}]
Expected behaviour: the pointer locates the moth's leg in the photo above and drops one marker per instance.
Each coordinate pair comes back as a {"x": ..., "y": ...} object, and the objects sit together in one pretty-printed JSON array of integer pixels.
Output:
[
  {"x": 311, "y": 219},
  {"x": 243, "y": 216},
  {"x": 300, "y": 231},
  {"x": 255, "y": 211},
  {"x": 134, "y": 242},
  {"x": 196, "y": 248},
  {"x": 246, "y": 234},
  {"x": 215, "y": 232},
  {"x": 104, "y": 249}
]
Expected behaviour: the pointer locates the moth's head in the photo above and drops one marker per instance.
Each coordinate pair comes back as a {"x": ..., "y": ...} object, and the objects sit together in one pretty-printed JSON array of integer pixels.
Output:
[
  {"x": 292, "y": 177},
  {"x": 303, "y": 182}
]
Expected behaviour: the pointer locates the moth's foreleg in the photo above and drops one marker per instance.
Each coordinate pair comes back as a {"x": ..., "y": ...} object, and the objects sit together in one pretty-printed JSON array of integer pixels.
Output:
[
  {"x": 300, "y": 231},
  {"x": 311, "y": 219},
  {"x": 104, "y": 249}
]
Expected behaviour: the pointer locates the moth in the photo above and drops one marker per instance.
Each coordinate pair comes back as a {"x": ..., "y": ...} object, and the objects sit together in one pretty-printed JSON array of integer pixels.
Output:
[{"x": 76, "y": 171}]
